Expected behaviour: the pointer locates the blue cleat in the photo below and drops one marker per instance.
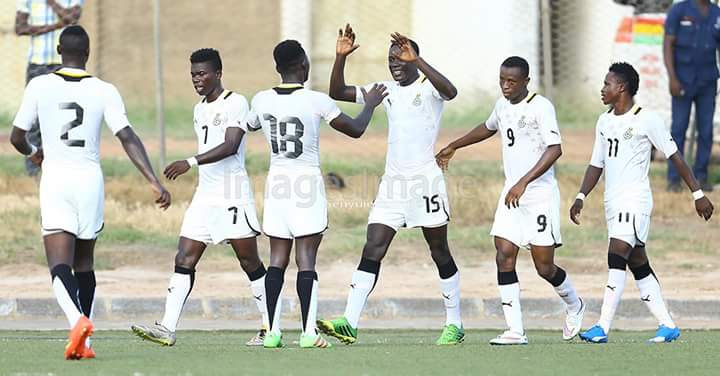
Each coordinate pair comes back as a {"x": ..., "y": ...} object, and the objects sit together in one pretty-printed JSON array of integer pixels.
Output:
[
  {"x": 665, "y": 334},
  {"x": 596, "y": 334}
]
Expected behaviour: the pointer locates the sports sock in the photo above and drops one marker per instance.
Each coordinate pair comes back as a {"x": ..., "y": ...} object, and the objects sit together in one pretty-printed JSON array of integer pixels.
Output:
[
  {"x": 565, "y": 290},
  {"x": 363, "y": 282},
  {"x": 307, "y": 286},
  {"x": 274, "y": 280},
  {"x": 257, "y": 285},
  {"x": 65, "y": 287},
  {"x": 181, "y": 283},
  {"x": 510, "y": 299},
  {"x": 450, "y": 288},
  {"x": 86, "y": 295},
  {"x": 650, "y": 293},
  {"x": 613, "y": 290}
]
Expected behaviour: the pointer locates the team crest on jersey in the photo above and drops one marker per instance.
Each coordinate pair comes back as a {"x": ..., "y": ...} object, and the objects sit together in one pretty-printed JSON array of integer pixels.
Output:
[
  {"x": 218, "y": 120},
  {"x": 417, "y": 101},
  {"x": 523, "y": 122},
  {"x": 628, "y": 134}
]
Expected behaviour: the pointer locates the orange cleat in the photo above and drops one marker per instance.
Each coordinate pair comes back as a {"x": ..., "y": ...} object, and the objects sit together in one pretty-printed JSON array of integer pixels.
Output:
[
  {"x": 87, "y": 353},
  {"x": 76, "y": 339}
]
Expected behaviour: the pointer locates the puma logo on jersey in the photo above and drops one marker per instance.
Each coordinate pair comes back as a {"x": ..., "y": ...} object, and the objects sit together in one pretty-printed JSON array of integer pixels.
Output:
[
  {"x": 611, "y": 287},
  {"x": 258, "y": 297},
  {"x": 170, "y": 289},
  {"x": 446, "y": 296},
  {"x": 352, "y": 285},
  {"x": 563, "y": 295},
  {"x": 509, "y": 304},
  {"x": 645, "y": 298},
  {"x": 628, "y": 134}
]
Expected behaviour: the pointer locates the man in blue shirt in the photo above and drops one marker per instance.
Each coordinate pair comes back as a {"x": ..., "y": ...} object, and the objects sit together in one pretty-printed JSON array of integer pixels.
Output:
[{"x": 692, "y": 32}]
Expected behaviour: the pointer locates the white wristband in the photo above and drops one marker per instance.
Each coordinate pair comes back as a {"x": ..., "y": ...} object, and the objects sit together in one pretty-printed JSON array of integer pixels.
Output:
[
  {"x": 33, "y": 150},
  {"x": 580, "y": 196},
  {"x": 698, "y": 194},
  {"x": 192, "y": 161}
]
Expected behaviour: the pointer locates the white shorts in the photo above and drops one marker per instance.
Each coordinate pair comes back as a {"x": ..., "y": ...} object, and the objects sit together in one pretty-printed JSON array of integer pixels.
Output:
[
  {"x": 72, "y": 201},
  {"x": 629, "y": 227},
  {"x": 531, "y": 224},
  {"x": 295, "y": 203},
  {"x": 419, "y": 201},
  {"x": 213, "y": 222}
]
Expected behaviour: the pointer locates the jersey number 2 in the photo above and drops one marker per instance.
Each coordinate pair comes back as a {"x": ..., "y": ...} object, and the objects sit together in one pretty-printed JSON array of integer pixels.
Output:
[
  {"x": 281, "y": 146},
  {"x": 79, "y": 114}
]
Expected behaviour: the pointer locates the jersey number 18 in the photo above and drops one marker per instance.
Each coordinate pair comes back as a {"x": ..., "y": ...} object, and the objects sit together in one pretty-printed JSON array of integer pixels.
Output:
[{"x": 281, "y": 146}]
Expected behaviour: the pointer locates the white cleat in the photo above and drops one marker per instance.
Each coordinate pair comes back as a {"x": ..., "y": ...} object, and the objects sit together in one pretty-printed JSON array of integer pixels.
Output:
[
  {"x": 573, "y": 322},
  {"x": 509, "y": 338}
]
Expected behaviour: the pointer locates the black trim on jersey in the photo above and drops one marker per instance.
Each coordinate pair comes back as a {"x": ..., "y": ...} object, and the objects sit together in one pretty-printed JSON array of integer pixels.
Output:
[
  {"x": 204, "y": 100},
  {"x": 227, "y": 95},
  {"x": 424, "y": 79},
  {"x": 639, "y": 242},
  {"x": 71, "y": 78},
  {"x": 445, "y": 210},
  {"x": 55, "y": 230},
  {"x": 286, "y": 90},
  {"x": 637, "y": 111},
  {"x": 313, "y": 234},
  {"x": 249, "y": 225},
  {"x": 102, "y": 226},
  {"x": 610, "y": 110},
  {"x": 532, "y": 97},
  {"x": 251, "y": 128}
]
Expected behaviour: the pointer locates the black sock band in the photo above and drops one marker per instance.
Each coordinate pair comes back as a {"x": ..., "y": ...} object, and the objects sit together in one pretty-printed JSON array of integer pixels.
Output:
[
  {"x": 558, "y": 278},
  {"x": 64, "y": 273},
  {"x": 448, "y": 270},
  {"x": 507, "y": 278},
  {"x": 274, "y": 280},
  {"x": 190, "y": 272},
  {"x": 616, "y": 261},
  {"x": 642, "y": 271},
  {"x": 370, "y": 266},
  {"x": 86, "y": 290},
  {"x": 304, "y": 285},
  {"x": 258, "y": 273}
]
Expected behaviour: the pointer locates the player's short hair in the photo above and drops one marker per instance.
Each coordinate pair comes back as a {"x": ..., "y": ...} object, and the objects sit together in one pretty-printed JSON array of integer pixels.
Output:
[
  {"x": 287, "y": 54},
  {"x": 517, "y": 62},
  {"x": 412, "y": 43},
  {"x": 627, "y": 74},
  {"x": 74, "y": 40},
  {"x": 207, "y": 55}
]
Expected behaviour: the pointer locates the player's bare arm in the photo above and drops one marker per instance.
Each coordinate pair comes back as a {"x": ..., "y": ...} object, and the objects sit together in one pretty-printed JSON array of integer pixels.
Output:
[
  {"x": 357, "y": 126},
  {"x": 233, "y": 138},
  {"x": 68, "y": 16},
  {"x": 590, "y": 180},
  {"x": 547, "y": 159},
  {"x": 22, "y": 27},
  {"x": 19, "y": 140},
  {"x": 477, "y": 134},
  {"x": 135, "y": 150},
  {"x": 703, "y": 206},
  {"x": 407, "y": 54},
  {"x": 345, "y": 46}
]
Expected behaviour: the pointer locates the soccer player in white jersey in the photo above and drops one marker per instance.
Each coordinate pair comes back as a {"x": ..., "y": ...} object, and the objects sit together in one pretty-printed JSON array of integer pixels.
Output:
[
  {"x": 295, "y": 207},
  {"x": 222, "y": 209},
  {"x": 528, "y": 212},
  {"x": 412, "y": 191},
  {"x": 70, "y": 105},
  {"x": 624, "y": 137}
]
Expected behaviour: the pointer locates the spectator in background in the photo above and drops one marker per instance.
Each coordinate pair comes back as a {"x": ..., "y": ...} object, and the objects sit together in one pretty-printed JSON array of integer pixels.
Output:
[
  {"x": 43, "y": 21},
  {"x": 647, "y": 6},
  {"x": 692, "y": 32}
]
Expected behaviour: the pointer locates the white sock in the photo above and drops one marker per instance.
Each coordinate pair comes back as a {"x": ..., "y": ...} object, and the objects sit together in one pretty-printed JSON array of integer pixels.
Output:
[
  {"x": 360, "y": 287},
  {"x": 611, "y": 300},
  {"x": 275, "y": 329},
  {"x": 567, "y": 293},
  {"x": 510, "y": 298},
  {"x": 258, "y": 290},
  {"x": 68, "y": 305},
  {"x": 310, "y": 327},
  {"x": 450, "y": 288},
  {"x": 178, "y": 291},
  {"x": 651, "y": 295}
]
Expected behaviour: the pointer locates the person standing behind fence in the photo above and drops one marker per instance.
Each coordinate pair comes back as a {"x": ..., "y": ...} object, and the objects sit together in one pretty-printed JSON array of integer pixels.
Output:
[
  {"x": 692, "y": 32},
  {"x": 43, "y": 21}
]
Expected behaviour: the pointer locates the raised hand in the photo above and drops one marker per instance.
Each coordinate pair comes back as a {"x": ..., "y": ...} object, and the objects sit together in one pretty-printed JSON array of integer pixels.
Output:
[
  {"x": 176, "y": 169},
  {"x": 704, "y": 208},
  {"x": 163, "y": 196},
  {"x": 443, "y": 157},
  {"x": 575, "y": 210},
  {"x": 407, "y": 52},
  {"x": 346, "y": 41},
  {"x": 375, "y": 96}
]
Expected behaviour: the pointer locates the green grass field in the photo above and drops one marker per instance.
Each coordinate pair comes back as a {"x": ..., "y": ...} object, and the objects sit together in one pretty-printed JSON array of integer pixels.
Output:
[{"x": 380, "y": 352}]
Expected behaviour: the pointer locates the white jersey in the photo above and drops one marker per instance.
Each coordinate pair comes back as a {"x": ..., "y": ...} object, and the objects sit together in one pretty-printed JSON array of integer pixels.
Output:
[
  {"x": 290, "y": 119},
  {"x": 622, "y": 149},
  {"x": 211, "y": 120},
  {"x": 413, "y": 113},
  {"x": 70, "y": 106},
  {"x": 527, "y": 129}
]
